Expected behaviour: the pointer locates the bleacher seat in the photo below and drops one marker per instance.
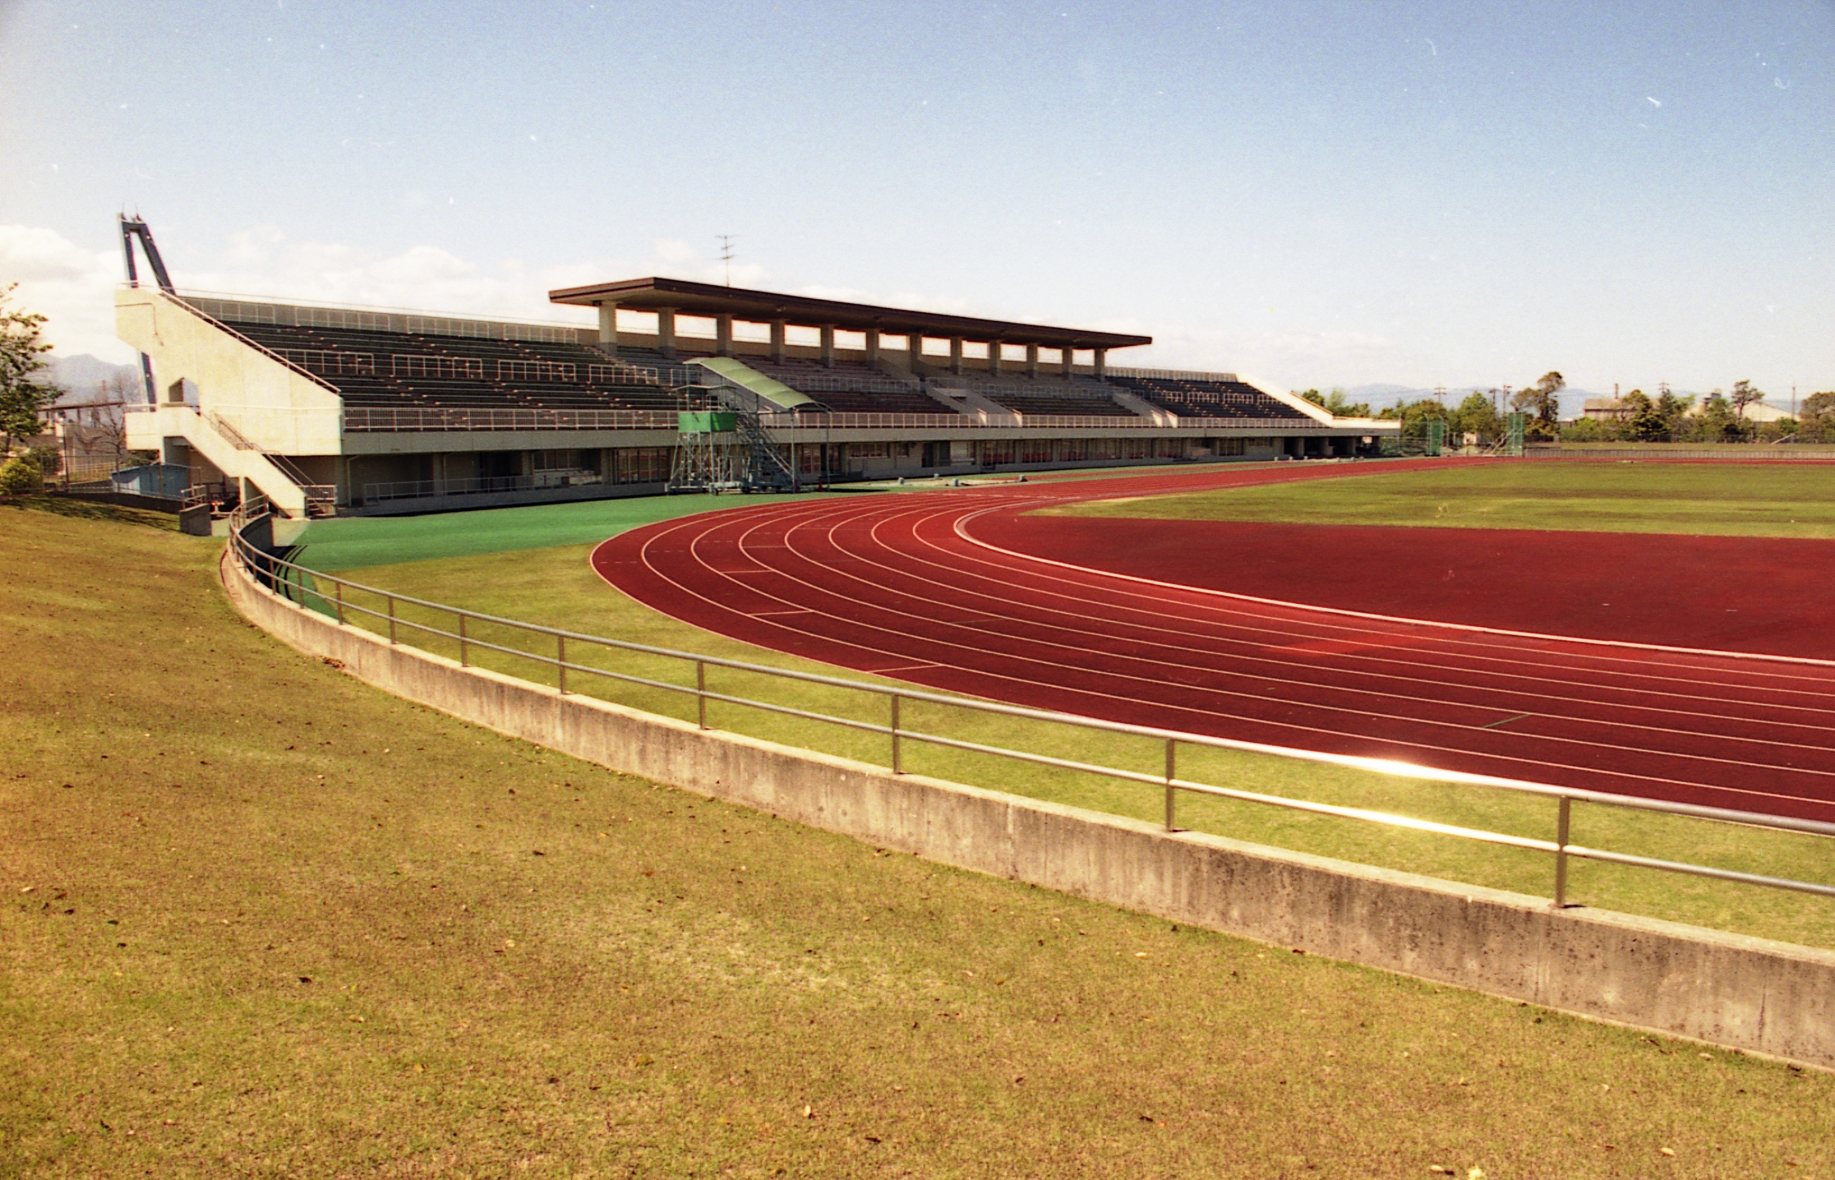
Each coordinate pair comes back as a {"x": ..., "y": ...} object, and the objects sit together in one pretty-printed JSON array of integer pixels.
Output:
[{"x": 1199, "y": 398}]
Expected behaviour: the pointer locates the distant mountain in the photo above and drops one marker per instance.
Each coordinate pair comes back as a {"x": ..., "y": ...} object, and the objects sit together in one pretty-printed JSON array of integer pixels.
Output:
[{"x": 82, "y": 375}]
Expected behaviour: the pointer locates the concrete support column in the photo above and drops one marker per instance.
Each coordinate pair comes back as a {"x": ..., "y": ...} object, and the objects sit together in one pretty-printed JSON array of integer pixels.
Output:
[
  {"x": 872, "y": 357},
  {"x": 993, "y": 358},
  {"x": 1100, "y": 366},
  {"x": 665, "y": 332},
  {"x": 723, "y": 335},
  {"x": 828, "y": 345},
  {"x": 777, "y": 340},
  {"x": 1068, "y": 361},
  {"x": 955, "y": 354},
  {"x": 608, "y": 327},
  {"x": 915, "y": 357},
  {"x": 1032, "y": 360}
]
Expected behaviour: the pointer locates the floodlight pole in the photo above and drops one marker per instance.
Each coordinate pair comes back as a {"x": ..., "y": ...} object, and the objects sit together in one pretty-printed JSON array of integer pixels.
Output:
[{"x": 132, "y": 228}]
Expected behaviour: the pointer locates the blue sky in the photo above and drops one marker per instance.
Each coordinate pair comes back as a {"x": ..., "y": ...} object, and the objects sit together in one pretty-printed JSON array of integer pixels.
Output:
[{"x": 1460, "y": 193}]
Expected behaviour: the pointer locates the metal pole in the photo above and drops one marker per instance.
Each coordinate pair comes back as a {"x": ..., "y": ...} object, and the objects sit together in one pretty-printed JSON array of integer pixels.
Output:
[
  {"x": 700, "y": 687},
  {"x": 897, "y": 762},
  {"x": 462, "y": 662},
  {"x": 560, "y": 643},
  {"x": 1171, "y": 767},
  {"x": 391, "y": 620},
  {"x": 1561, "y": 825}
]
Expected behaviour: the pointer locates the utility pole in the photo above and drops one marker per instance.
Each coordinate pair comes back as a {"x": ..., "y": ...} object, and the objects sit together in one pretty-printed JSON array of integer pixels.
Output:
[{"x": 726, "y": 254}]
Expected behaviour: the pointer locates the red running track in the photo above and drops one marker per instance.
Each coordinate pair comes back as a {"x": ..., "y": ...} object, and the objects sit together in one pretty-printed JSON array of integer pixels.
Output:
[{"x": 933, "y": 588}]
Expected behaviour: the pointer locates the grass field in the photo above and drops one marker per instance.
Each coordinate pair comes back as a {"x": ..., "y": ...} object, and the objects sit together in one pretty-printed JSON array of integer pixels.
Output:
[
  {"x": 263, "y": 920},
  {"x": 556, "y": 587},
  {"x": 1758, "y": 500}
]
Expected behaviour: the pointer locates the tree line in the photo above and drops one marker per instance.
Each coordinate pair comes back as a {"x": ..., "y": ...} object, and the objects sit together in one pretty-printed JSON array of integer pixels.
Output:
[{"x": 1667, "y": 417}]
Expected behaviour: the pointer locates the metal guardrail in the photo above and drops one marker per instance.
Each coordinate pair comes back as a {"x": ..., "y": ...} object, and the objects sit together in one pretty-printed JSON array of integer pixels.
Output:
[
  {"x": 360, "y": 420},
  {"x": 290, "y": 580},
  {"x": 1723, "y": 452}
]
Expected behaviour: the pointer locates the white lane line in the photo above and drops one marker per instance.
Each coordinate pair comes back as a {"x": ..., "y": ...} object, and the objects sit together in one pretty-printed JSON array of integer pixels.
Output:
[{"x": 1474, "y": 628}]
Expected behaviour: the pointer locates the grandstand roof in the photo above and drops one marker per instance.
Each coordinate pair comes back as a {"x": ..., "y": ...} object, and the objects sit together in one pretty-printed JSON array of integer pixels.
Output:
[{"x": 709, "y": 299}]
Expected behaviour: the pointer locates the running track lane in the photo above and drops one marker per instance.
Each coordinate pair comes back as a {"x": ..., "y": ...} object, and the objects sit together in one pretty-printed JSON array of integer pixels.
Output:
[{"x": 899, "y": 585}]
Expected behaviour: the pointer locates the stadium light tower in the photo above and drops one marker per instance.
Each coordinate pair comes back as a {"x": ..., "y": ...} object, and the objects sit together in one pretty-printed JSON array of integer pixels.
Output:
[{"x": 134, "y": 229}]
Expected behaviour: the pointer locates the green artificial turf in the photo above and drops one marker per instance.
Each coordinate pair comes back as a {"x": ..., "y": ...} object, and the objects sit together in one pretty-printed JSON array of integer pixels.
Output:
[
  {"x": 1769, "y": 500},
  {"x": 354, "y": 542},
  {"x": 262, "y": 920}
]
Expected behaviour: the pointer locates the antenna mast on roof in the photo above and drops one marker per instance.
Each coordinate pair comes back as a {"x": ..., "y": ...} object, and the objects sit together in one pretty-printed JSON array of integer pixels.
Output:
[{"x": 726, "y": 254}]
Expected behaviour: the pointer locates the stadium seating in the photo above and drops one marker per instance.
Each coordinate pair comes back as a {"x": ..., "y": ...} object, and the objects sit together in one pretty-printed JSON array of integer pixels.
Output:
[
  {"x": 406, "y": 370},
  {"x": 1198, "y": 398},
  {"x": 1048, "y": 397}
]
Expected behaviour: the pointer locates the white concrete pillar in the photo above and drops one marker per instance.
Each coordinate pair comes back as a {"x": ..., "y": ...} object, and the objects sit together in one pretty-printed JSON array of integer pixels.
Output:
[
  {"x": 1099, "y": 365},
  {"x": 993, "y": 358},
  {"x": 777, "y": 340},
  {"x": 915, "y": 343},
  {"x": 872, "y": 346},
  {"x": 665, "y": 332},
  {"x": 955, "y": 354},
  {"x": 608, "y": 326},
  {"x": 1067, "y": 360},
  {"x": 828, "y": 345},
  {"x": 723, "y": 335},
  {"x": 1032, "y": 360}
]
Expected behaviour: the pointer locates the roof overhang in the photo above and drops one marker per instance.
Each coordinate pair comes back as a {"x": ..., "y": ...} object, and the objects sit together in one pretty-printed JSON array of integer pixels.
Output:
[{"x": 709, "y": 299}]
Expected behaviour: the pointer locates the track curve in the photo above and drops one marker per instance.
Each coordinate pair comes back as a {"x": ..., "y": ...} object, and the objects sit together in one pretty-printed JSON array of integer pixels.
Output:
[{"x": 902, "y": 586}]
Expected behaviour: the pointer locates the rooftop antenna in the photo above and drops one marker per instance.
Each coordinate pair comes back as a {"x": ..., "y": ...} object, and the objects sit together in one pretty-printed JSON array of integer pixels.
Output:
[{"x": 726, "y": 254}]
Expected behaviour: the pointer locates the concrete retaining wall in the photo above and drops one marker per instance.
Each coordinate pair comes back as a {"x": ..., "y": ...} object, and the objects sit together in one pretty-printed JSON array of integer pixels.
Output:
[{"x": 1745, "y": 993}]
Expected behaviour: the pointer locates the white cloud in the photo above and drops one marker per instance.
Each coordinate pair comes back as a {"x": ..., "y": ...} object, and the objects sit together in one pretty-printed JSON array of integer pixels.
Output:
[{"x": 72, "y": 287}]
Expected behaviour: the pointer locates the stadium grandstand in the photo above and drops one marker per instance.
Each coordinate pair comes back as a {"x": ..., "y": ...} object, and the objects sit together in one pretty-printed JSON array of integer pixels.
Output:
[{"x": 679, "y": 385}]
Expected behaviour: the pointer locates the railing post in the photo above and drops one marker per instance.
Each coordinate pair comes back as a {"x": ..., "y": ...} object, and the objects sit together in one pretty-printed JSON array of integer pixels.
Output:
[
  {"x": 560, "y": 644},
  {"x": 700, "y": 688},
  {"x": 1171, "y": 795},
  {"x": 391, "y": 620},
  {"x": 898, "y": 766},
  {"x": 462, "y": 660},
  {"x": 1561, "y": 827},
  {"x": 340, "y": 598}
]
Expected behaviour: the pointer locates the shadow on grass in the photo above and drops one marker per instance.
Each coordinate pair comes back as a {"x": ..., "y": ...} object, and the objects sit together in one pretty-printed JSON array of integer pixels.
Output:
[{"x": 85, "y": 509}]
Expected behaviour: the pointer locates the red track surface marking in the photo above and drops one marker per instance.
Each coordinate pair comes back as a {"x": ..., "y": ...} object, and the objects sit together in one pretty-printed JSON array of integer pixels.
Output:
[{"x": 898, "y": 585}]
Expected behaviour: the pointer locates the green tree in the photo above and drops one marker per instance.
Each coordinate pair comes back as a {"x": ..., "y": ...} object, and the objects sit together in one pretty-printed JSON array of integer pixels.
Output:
[
  {"x": 1717, "y": 423},
  {"x": 1478, "y": 415},
  {"x": 1673, "y": 409},
  {"x": 20, "y": 476},
  {"x": 21, "y": 358},
  {"x": 1542, "y": 401},
  {"x": 1742, "y": 396},
  {"x": 1816, "y": 422},
  {"x": 1649, "y": 421},
  {"x": 1337, "y": 404}
]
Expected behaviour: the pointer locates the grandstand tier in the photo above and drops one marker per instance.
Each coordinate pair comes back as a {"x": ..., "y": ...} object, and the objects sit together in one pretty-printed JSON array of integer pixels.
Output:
[{"x": 369, "y": 410}]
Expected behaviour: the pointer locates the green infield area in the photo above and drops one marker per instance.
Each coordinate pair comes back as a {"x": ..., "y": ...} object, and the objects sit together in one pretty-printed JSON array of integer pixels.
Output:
[
  {"x": 262, "y": 919},
  {"x": 354, "y": 542},
  {"x": 1737, "y": 499}
]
